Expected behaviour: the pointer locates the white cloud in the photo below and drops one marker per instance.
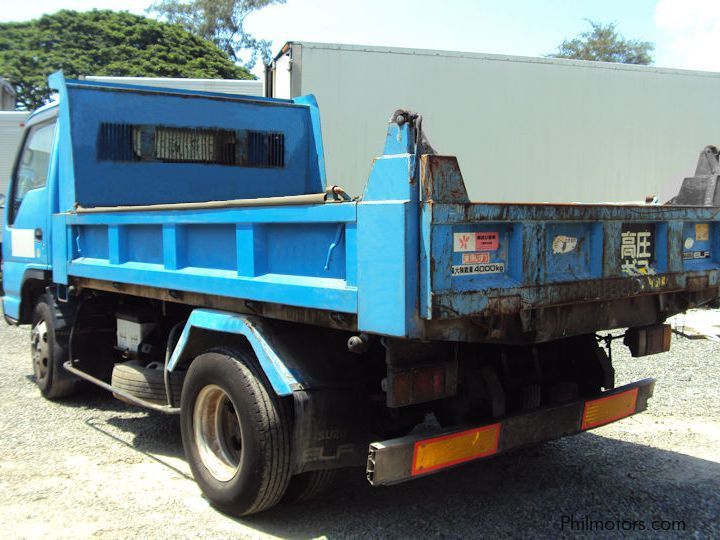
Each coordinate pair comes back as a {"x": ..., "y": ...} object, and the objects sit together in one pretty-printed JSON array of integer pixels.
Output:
[{"x": 689, "y": 32}]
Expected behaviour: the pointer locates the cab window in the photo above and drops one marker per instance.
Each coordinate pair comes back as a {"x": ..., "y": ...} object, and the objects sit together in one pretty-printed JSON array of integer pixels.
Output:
[{"x": 32, "y": 169}]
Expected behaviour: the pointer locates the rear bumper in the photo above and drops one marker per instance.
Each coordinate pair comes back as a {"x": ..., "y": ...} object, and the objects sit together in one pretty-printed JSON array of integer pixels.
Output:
[{"x": 414, "y": 456}]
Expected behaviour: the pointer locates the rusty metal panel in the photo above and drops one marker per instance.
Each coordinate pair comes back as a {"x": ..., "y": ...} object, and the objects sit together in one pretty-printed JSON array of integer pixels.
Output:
[{"x": 481, "y": 261}]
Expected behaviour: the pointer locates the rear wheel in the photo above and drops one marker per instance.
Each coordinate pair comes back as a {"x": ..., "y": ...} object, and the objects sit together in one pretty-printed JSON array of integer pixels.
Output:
[
  {"x": 236, "y": 432},
  {"x": 309, "y": 485},
  {"x": 49, "y": 351}
]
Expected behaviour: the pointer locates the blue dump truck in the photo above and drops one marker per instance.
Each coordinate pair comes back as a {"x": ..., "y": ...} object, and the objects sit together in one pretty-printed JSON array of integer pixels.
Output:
[{"x": 184, "y": 251}]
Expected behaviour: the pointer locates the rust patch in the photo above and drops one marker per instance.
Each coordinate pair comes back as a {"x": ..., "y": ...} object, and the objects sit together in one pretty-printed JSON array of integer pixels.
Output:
[
  {"x": 442, "y": 180},
  {"x": 697, "y": 283},
  {"x": 503, "y": 305}
]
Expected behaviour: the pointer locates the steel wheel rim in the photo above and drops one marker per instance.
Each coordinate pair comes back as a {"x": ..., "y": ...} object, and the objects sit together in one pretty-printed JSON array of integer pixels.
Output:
[
  {"x": 216, "y": 427},
  {"x": 40, "y": 349}
]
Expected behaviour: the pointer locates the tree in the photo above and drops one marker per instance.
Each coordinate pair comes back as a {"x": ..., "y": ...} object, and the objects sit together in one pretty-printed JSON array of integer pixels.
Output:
[
  {"x": 219, "y": 21},
  {"x": 603, "y": 44},
  {"x": 103, "y": 43}
]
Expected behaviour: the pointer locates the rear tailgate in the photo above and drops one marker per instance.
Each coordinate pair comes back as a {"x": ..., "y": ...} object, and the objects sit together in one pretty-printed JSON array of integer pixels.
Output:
[{"x": 484, "y": 260}]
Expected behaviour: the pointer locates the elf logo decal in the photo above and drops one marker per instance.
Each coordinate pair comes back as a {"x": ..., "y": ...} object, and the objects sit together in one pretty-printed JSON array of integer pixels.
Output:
[
  {"x": 321, "y": 453},
  {"x": 689, "y": 255},
  {"x": 476, "y": 241}
]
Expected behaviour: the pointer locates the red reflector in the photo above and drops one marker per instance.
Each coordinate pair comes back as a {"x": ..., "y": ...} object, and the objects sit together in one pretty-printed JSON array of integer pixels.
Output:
[
  {"x": 429, "y": 382},
  {"x": 604, "y": 410}
]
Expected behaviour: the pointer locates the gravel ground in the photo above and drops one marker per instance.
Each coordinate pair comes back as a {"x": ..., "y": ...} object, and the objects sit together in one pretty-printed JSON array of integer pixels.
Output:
[{"x": 93, "y": 466}]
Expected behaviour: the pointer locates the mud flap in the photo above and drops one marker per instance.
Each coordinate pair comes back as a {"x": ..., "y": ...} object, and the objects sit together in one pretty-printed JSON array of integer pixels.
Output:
[{"x": 331, "y": 429}]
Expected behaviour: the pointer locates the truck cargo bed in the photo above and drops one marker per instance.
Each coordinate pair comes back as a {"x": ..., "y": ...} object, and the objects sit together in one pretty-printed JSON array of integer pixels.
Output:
[{"x": 541, "y": 269}]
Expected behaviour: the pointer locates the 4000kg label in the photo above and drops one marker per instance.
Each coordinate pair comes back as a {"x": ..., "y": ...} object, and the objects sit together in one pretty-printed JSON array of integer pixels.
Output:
[{"x": 472, "y": 269}]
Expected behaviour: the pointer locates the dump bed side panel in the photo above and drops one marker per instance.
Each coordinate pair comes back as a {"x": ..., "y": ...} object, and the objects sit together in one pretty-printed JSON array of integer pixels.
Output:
[
  {"x": 298, "y": 256},
  {"x": 505, "y": 259}
]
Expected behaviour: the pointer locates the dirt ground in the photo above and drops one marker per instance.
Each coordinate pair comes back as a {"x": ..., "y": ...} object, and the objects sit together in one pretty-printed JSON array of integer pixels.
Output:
[{"x": 92, "y": 466}]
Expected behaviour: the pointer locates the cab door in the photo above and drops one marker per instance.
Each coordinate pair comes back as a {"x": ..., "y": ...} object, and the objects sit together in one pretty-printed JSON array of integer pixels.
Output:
[{"x": 27, "y": 213}]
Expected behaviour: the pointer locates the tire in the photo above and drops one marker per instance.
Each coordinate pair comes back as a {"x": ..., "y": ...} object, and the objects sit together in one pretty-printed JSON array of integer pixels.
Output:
[
  {"x": 49, "y": 351},
  {"x": 309, "y": 485},
  {"x": 146, "y": 382},
  {"x": 236, "y": 432}
]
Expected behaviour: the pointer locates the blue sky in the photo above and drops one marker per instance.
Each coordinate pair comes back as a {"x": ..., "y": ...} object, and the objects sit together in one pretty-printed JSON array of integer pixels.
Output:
[{"x": 686, "y": 32}]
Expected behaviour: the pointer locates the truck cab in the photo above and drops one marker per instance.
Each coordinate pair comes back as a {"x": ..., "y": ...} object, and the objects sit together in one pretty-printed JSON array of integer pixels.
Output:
[{"x": 29, "y": 203}]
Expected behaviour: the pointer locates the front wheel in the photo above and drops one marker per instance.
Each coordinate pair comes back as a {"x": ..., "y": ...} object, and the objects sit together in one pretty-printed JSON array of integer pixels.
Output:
[
  {"x": 235, "y": 432},
  {"x": 49, "y": 352}
]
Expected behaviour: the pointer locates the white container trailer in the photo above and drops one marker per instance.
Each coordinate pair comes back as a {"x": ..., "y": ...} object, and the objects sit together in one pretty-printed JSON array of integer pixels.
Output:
[
  {"x": 11, "y": 129},
  {"x": 524, "y": 129},
  {"x": 247, "y": 87}
]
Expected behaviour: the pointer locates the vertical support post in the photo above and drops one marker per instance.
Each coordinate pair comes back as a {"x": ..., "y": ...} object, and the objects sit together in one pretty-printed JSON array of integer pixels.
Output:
[
  {"x": 351, "y": 253},
  {"x": 171, "y": 236},
  {"x": 389, "y": 264},
  {"x": 116, "y": 244},
  {"x": 250, "y": 249}
]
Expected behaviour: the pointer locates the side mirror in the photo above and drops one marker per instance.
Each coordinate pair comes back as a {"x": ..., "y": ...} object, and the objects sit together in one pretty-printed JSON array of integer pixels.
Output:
[{"x": 2, "y": 201}]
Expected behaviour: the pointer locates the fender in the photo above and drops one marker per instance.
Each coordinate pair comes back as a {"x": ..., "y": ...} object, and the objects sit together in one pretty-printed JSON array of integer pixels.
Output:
[
  {"x": 17, "y": 306},
  {"x": 313, "y": 365},
  {"x": 257, "y": 332}
]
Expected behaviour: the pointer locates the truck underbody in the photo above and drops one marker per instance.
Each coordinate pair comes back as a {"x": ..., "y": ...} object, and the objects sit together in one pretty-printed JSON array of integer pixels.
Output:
[{"x": 370, "y": 392}]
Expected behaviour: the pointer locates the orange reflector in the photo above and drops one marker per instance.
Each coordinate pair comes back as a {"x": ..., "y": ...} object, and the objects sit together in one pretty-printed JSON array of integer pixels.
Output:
[
  {"x": 448, "y": 450},
  {"x": 608, "y": 409}
]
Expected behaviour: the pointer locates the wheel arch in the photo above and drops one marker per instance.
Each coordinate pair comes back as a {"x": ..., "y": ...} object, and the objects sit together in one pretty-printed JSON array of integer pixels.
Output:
[
  {"x": 34, "y": 284},
  {"x": 313, "y": 366},
  {"x": 206, "y": 328}
]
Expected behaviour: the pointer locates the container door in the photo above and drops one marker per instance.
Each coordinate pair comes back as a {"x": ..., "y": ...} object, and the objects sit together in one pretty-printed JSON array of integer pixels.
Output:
[{"x": 26, "y": 234}]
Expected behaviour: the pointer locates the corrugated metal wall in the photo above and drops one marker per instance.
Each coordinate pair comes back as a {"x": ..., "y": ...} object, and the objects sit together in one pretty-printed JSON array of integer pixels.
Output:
[
  {"x": 524, "y": 129},
  {"x": 10, "y": 135}
]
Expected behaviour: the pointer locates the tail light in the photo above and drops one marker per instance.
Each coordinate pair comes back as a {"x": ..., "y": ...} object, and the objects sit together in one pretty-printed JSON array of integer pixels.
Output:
[{"x": 646, "y": 340}]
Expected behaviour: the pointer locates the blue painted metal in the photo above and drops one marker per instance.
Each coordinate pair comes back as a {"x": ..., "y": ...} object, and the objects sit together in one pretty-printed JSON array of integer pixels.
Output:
[
  {"x": 275, "y": 254},
  {"x": 105, "y": 182},
  {"x": 266, "y": 254},
  {"x": 258, "y": 334},
  {"x": 316, "y": 141},
  {"x": 15, "y": 275},
  {"x": 66, "y": 160},
  {"x": 387, "y": 234}
]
